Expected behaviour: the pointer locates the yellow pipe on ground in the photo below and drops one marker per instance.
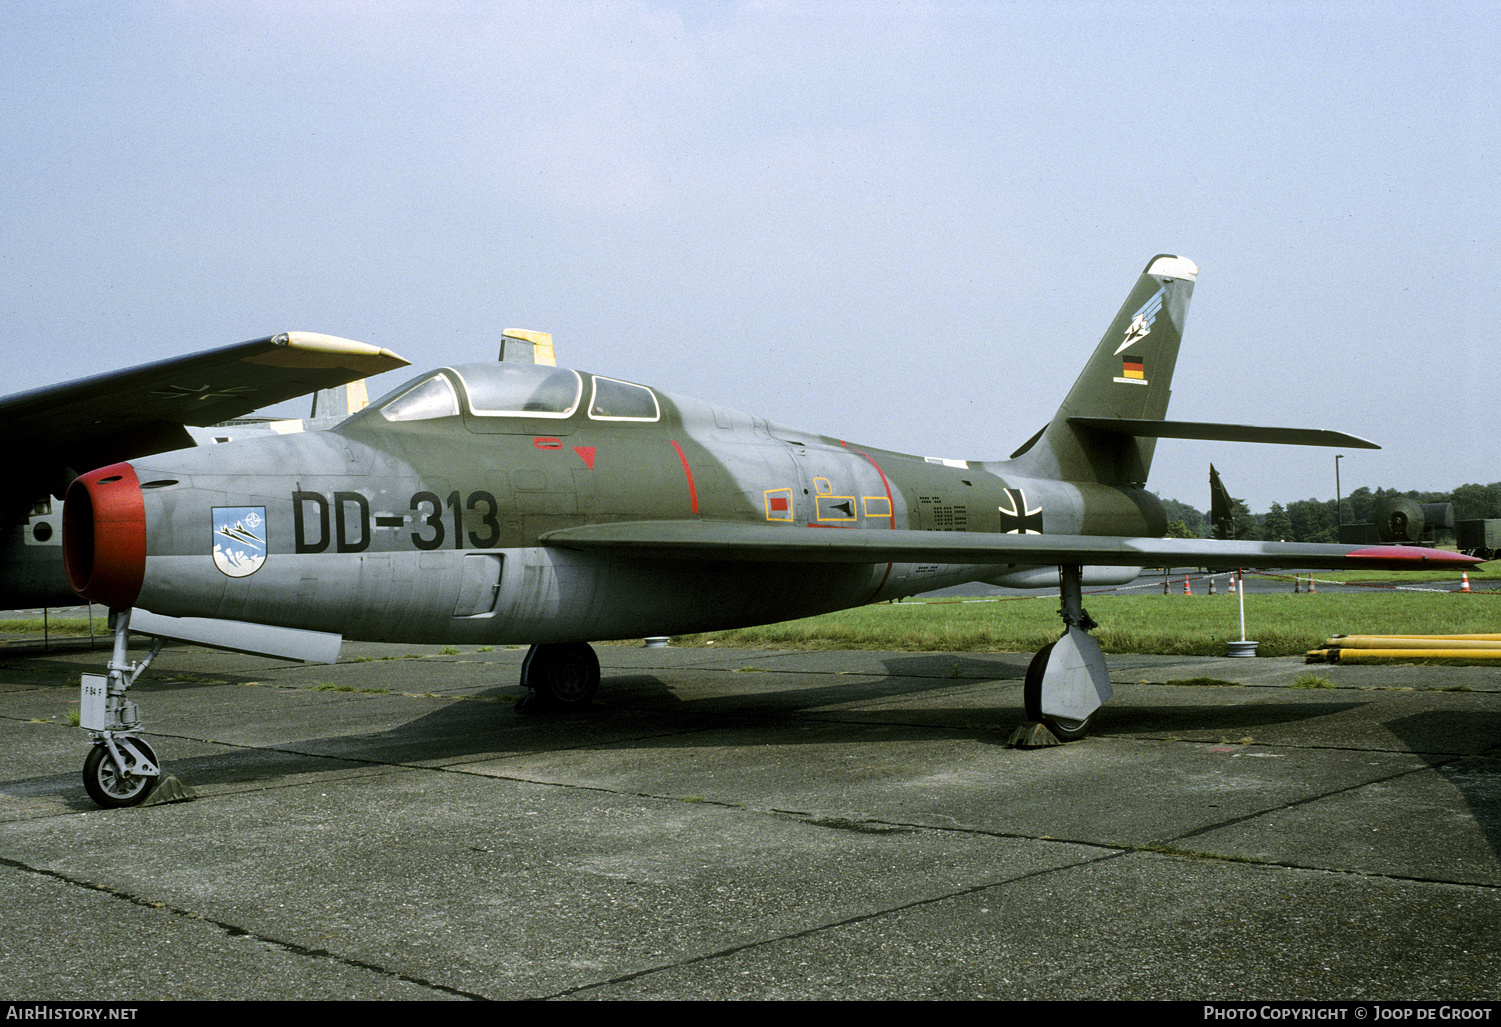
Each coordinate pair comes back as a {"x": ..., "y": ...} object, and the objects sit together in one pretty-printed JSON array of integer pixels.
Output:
[
  {"x": 1407, "y": 642},
  {"x": 1478, "y": 638},
  {"x": 1372, "y": 655}
]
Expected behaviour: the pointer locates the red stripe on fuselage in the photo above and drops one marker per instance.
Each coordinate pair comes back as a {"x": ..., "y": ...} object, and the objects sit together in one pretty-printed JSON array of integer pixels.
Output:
[
  {"x": 885, "y": 484},
  {"x": 891, "y": 503},
  {"x": 688, "y": 473}
]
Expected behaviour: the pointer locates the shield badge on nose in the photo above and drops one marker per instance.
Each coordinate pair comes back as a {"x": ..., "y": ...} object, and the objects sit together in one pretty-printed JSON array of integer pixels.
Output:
[{"x": 239, "y": 539}]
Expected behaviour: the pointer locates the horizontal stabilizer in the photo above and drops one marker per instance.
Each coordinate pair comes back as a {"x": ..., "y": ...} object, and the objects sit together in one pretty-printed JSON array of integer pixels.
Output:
[
  {"x": 241, "y": 636},
  {"x": 728, "y": 540},
  {"x": 1208, "y": 431}
]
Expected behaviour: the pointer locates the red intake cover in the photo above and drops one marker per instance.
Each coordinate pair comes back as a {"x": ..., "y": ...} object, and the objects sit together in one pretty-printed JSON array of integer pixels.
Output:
[{"x": 104, "y": 536}]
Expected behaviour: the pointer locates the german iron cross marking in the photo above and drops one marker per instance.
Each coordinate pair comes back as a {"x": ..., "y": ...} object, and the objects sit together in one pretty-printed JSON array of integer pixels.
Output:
[{"x": 1019, "y": 520}]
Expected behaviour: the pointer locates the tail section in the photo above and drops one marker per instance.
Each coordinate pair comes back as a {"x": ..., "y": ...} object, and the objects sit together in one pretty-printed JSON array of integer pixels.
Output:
[
  {"x": 1221, "y": 507},
  {"x": 340, "y": 401},
  {"x": 1128, "y": 378}
]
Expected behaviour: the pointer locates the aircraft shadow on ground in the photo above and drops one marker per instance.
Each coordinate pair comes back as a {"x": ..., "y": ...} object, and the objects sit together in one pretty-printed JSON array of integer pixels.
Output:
[
  {"x": 1434, "y": 735},
  {"x": 643, "y": 710},
  {"x": 636, "y": 710},
  {"x": 1188, "y": 720},
  {"x": 646, "y": 711}
]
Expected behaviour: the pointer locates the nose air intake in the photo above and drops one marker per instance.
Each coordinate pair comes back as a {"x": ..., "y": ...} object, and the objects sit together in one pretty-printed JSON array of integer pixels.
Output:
[{"x": 104, "y": 536}]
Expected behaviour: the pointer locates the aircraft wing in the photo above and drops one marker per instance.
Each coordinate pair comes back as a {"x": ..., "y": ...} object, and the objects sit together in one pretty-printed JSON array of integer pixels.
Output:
[
  {"x": 60, "y": 430},
  {"x": 726, "y": 540}
]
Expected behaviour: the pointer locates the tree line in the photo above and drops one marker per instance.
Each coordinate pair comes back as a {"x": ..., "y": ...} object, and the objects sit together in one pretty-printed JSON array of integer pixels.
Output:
[{"x": 1317, "y": 520}]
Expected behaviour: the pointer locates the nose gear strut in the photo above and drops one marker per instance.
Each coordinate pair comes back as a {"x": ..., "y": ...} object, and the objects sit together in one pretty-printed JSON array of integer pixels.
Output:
[{"x": 122, "y": 767}]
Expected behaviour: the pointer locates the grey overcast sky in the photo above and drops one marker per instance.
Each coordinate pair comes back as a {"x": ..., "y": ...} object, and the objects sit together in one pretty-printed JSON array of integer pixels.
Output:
[{"x": 903, "y": 224}]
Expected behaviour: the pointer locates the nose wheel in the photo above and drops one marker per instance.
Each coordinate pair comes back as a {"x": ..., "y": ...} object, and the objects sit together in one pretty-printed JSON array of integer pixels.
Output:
[{"x": 114, "y": 788}]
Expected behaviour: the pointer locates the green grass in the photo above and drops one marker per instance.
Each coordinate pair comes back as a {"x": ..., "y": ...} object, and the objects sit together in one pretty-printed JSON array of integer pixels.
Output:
[
  {"x": 1285, "y": 625},
  {"x": 1311, "y": 681},
  {"x": 53, "y": 626}
]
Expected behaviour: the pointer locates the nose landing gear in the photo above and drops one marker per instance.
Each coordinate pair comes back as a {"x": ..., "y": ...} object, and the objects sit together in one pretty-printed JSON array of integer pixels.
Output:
[{"x": 122, "y": 768}]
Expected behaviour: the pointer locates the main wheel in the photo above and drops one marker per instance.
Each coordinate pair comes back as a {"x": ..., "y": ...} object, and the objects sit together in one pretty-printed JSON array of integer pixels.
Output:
[
  {"x": 564, "y": 675},
  {"x": 1063, "y": 729},
  {"x": 111, "y": 789}
]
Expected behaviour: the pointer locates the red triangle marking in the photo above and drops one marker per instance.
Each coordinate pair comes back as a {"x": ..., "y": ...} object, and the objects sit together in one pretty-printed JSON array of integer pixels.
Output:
[{"x": 587, "y": 453}]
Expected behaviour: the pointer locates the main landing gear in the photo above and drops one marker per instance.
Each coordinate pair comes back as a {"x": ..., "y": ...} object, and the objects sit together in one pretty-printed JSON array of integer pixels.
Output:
[
  {"x": 122, "y": 768},
  {"x": 1067, "y": 680},
  {"x": 561, "y": 675}
]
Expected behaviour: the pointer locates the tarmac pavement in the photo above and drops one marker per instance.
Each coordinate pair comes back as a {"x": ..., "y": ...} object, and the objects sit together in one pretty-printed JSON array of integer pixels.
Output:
[{"x": 756, "y": 824}]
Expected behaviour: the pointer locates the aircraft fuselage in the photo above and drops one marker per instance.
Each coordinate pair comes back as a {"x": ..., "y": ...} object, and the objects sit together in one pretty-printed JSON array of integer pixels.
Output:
[{"x": 429, "y": 528}]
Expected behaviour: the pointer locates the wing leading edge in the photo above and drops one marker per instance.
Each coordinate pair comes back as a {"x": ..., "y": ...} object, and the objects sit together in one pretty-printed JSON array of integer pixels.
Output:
[
  {"x": 727, "y": 540},
  {"x": 136, "y": 411}
]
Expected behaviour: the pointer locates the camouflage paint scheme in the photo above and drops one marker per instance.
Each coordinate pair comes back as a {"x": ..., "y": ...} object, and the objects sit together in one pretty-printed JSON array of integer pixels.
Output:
[{"x": 619, "y": 511}]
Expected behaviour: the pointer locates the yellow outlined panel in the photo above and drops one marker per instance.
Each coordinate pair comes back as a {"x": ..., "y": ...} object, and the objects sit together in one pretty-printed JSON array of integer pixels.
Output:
[
  {"x": 836, "y": 508},
  {"x": 877, "y": 506},
  {"x": 778, "y": 504}
]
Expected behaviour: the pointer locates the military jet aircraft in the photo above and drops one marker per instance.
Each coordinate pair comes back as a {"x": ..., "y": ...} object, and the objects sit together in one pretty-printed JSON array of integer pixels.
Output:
[
  {"x": 59, "y": 430},
  {"x": 527, "y": 503}
]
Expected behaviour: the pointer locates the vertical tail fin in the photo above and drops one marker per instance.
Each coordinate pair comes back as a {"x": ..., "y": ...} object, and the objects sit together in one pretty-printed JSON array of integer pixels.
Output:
[
  {"x": 1221, "y": 506},
  {"x": 340, "y": 401},
  {"x": 1129, "y": 376}
]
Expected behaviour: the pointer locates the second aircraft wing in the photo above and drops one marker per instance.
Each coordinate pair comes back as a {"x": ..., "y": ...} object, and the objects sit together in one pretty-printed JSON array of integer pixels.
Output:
[{"x": 75, "y": 426}]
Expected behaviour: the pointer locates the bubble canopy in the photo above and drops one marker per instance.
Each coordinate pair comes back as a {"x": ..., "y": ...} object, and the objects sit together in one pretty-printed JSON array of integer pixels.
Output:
[{"x": 490, "y": 390}]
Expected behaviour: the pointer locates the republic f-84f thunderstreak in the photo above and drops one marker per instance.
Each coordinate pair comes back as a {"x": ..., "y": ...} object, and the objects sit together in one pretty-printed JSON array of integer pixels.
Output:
[{"x": 529, "y": 503}]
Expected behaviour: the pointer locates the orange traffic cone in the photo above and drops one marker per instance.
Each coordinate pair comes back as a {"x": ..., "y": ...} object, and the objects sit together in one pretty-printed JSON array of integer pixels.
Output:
[
  {"x": 1464, "y": 581},
  {"x": 1187, "y": 588},
  {"x": 1311, "y": 589}
]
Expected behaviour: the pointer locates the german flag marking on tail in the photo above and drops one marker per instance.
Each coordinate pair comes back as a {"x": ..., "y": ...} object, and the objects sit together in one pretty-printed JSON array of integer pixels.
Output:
[{"x": 1133, "y": 370}]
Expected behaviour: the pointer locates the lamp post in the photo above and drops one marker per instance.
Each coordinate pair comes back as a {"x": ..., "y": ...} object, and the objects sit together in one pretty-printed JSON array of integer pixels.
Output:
[{"x": 1339, "y": 513}]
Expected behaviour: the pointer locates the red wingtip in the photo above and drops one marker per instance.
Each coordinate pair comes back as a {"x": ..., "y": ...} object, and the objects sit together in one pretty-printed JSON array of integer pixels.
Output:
[{"x": 1416, "y": 558}]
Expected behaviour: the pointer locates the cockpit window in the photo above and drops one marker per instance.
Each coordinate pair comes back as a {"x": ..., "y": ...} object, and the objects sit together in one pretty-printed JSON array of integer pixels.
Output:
[
  {"x": 621, "y": 401},
  {"x": 521, "y": 390},
  {"x": 432, "y": 398}
]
